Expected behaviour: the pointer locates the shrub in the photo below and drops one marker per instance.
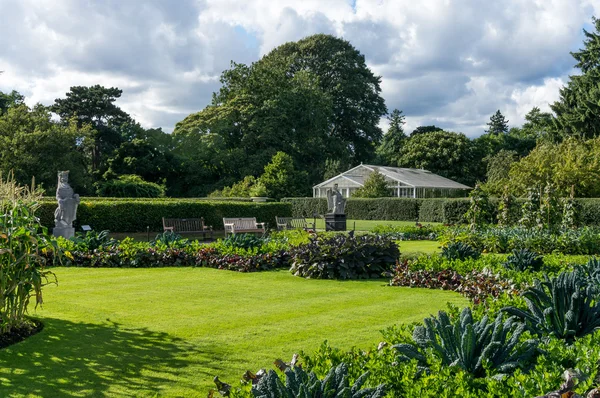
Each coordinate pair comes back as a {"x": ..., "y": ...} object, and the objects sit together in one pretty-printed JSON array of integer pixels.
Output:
[
  {"x": 130, "y": 186},
  {"x": 459, "y": 251},
  {"x": 400, "y": 209},
  {"x": 344, "y": 257},
  {"x": 299, "y": 384},
  {"x": 566, "y": 307},
  {"x": 523, "y": 260},
  {"x": 474, "y": 346},
  {"x": 408, "y": 232},
  {"x": 92, "y": 240}
]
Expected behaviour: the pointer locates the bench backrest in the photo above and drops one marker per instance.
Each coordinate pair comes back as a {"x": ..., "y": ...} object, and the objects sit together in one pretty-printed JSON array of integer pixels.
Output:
[
  {"x": 241, "y": 223},
  {"x": 291, "y": 223},
  {"x": 184, "y": 224}
]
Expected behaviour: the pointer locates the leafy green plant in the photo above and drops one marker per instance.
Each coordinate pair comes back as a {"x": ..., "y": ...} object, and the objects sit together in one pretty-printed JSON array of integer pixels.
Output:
[
  {"x": 22, "y": 243},
  {"x": 344, "y": 257},
  {"x": 130, "y": 186},
  {"x": 523, "y": 260},
  {"x": 169, "y": 239},
  {"x": 459, "y": 251},
  {"x": 480, "y": 211},
  {"x": 530, "y": 209},
  {"x": 93, "y": 240},
  {"x": 299, "y": 384},
  {"x": 566, "y": 307},
  {"x": 474, "y": 346}
]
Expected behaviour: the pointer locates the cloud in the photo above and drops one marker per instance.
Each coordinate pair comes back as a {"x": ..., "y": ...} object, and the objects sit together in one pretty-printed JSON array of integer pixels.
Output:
[{"x": 446, "y": 62}]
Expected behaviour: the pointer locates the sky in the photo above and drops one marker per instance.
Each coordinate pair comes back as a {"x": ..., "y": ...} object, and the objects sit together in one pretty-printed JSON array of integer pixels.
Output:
[{"x": 451, "y": 63}]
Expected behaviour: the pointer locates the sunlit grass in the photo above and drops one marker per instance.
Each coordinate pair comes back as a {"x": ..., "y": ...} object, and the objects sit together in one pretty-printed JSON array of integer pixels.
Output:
[{"x": 142, "y": 332}]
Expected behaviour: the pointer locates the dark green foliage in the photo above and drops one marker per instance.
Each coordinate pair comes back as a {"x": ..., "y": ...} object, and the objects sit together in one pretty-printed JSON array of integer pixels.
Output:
[
  {"x": 92, "y": 240},
  {"x": 498, "y": 124},
  {"x": 299, "y": 384},
  {"x": 591, "y": 270},
  {"x": 281, "y": 178},
  {"x": 476, "y": 347},
  {"x": 454, "y": 211},
  {"x": 391, "y": 145},
  {"x": 344, "y": 257},
  {"x": 459, "y": 251},
  {"x": 431, "y": 210},
  {"x": 566, "y": 307},
  {"x": 524, "y": 260},
  {"x": 136, "y": 215},
  {"x": 130, "y": 186},
  {"x": 307, "y": 207}
]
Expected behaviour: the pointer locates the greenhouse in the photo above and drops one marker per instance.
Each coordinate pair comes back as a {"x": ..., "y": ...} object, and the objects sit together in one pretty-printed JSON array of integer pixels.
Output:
[{"x": 403, "y": 183}]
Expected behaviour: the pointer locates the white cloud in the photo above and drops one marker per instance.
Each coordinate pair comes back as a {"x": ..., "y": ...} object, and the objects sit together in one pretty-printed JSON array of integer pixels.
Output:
[{"x": 446, "y": 62}]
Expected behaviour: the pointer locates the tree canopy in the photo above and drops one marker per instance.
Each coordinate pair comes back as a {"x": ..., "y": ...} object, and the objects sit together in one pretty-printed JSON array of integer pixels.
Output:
[{"x": 393, "y": 140}]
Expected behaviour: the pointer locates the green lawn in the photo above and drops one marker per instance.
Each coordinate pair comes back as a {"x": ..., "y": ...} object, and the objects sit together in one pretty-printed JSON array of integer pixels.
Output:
[
  {"x": 366, "y": 225},
  {"x": 419, "y": 246},
  {"x": 167, "y": 332}
]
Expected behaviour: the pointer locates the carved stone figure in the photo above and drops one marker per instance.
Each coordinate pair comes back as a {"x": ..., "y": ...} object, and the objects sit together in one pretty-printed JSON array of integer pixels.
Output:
[
  {"x": 66, "y": 212},
  {"x": 336, "y": 204}
]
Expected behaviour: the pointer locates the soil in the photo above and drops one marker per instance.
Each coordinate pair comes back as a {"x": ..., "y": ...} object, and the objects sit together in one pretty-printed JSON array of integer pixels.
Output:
[{"x": 16, "y": 335}]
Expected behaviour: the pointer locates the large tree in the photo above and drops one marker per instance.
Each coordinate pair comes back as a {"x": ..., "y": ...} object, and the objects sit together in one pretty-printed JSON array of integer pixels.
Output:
[
  {"x": 445, "y": 153},
  {"x": 393, "y": 140},
  {"x": 95, "y": 106},
  {"x": 314, "y": 99},
  {"x": 578, "y": 108},
  {"x": 33, "y": 145}
]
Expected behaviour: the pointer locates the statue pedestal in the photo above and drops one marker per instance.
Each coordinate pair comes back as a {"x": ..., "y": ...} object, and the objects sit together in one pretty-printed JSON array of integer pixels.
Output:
[
  {"x": 335, "y": 222},
  {"x": 65, "y": 232}
]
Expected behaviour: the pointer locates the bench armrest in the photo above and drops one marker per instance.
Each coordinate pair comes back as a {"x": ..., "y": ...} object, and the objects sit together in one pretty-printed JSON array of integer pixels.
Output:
[{"x": 261, "y": 224}]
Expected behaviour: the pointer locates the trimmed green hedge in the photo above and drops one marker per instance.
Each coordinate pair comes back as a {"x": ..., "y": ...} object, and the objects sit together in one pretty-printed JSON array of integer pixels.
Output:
[
  {"x": 136, "y": 215},
  {"x": 431, "y": 210},
  {"x": 397, "y": 209}
]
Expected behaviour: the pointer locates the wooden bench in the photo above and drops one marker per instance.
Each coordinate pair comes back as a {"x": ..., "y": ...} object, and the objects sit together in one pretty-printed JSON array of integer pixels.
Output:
[
  {"x": 285, "y": 223},
  {"x": 187, "y": 226},
  {"x": 243, "y": 226}
]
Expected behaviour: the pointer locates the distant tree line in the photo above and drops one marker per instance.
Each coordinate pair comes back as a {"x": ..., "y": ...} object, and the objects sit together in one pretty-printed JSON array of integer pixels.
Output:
[{"x": 303, "y": 113}]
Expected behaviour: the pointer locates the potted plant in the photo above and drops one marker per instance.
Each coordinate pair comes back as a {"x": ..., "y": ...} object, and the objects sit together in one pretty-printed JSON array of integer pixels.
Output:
[{"x": 258, "y": 192}]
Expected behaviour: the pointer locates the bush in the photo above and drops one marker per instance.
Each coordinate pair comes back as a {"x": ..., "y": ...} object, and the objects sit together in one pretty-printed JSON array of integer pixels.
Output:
[
  {"x": 136, "y": 215},
  {"x": 400, "y": 209},
  {"x": 344, "y": 257},
  {"x": 130, "y": 186},
  {"x": 409, "y": 232}
]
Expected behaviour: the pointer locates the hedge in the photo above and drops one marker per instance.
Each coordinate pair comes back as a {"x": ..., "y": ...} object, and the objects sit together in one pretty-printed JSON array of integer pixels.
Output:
[
  {"x": 431, "y": 210},
  {"x": 136, "y": 215}
]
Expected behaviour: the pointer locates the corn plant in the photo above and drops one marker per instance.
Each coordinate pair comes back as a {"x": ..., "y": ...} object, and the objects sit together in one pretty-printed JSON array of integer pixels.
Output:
[
  {"x": 299, "y": 384},
  {"x": 566, "y": 307},
  {"x": 470, "y": 345},
  {"x": 22, "y": 241}
]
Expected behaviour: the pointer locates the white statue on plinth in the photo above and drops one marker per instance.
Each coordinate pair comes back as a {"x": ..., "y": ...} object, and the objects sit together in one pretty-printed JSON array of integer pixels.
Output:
[{"x": 66, "y": 212}]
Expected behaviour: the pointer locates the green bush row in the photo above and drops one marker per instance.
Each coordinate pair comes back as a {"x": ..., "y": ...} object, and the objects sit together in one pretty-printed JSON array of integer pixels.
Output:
[
  {"x": 137, "y": 215},
  {"x": 447, "y": 211}
]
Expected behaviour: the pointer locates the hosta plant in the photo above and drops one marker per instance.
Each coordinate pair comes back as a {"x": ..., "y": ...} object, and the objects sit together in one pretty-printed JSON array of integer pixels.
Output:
[
  {"x": 459, "y": 251},
  {"x": 566, "y": 307},
  {"x": 299, "y": 384},
  {"x": 474, "y": 346},
  {"x": 93, "y": 240},
  {"x": 523, "y": 260}
]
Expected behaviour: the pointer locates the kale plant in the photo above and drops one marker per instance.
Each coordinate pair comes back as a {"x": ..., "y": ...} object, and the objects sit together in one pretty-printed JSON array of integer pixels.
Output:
[
  {"x": 523, "y": 260},
  {"x": 473, "y": 346},
  {"x": 459, "y": 251}
]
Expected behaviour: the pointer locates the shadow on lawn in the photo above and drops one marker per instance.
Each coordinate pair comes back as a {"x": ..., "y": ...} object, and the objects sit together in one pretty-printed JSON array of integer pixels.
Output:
[{"x": 81, "y": 359}]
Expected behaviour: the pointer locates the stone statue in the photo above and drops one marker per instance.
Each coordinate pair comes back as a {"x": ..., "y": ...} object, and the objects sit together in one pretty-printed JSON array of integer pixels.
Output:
[
  {"x": 336, "y": 204},
  {"x": 66, "y": 212}
]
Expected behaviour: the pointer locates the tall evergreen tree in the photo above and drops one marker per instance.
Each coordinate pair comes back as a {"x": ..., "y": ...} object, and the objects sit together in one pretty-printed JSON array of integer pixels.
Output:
[
  {"x": 578, "y": 108},
  {"x": 393, "y": 140},
  {"x": 498, "y": 124}
]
